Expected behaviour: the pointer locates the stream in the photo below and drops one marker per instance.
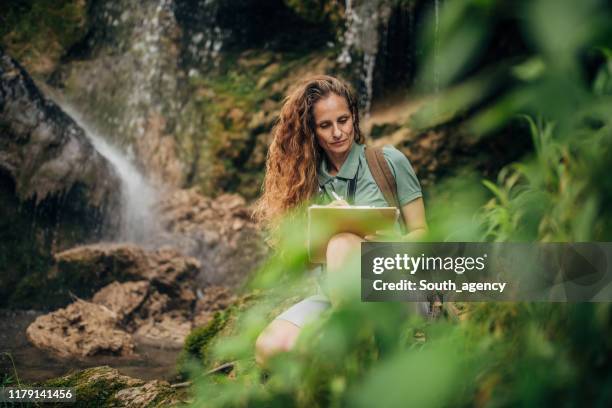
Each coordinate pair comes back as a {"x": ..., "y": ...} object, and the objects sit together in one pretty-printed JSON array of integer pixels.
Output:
[{"x": 33, "y": 364}]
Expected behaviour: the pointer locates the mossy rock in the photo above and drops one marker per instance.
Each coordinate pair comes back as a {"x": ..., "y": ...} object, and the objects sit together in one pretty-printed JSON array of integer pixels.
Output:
[
  {"x": 105, "y": 387},
  {"x": 38, "y": 33},
  {"x": 236, "y": 107}
]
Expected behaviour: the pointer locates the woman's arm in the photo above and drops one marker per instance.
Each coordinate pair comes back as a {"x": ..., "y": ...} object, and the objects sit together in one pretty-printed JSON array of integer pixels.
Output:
[
  {"x": 414, "y": 215},
  {"x": 416, "y": 224}
]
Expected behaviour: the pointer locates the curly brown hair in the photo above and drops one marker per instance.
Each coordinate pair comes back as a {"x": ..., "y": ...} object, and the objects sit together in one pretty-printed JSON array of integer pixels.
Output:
[{"x": 294, "y": 155}]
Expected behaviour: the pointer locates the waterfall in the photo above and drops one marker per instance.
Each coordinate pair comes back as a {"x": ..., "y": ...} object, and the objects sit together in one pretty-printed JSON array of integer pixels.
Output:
[
  {"x": 138, "y": 221},
  {"x": 349, "y": 33},
  {"x": 151, "y": 76},
  {"x": 363, "y": 21}
]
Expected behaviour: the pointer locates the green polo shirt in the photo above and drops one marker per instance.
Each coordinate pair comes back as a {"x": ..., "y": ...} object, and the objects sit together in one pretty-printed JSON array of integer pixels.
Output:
[{"x": 367, "y": 191}]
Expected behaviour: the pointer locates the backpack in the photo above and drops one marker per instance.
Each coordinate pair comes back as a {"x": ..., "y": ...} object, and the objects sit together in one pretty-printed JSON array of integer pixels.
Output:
[
  {"x": 434, "y": 307},
  {"x": 383, "y": 176}
]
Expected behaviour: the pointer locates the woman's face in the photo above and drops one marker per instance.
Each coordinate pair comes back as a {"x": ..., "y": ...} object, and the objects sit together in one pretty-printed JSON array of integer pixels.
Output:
[{"x": 333, "y": 125}]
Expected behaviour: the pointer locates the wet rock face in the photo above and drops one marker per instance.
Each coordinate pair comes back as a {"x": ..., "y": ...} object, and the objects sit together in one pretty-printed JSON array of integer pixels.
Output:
[
  {"x": 55, "y": 189},
  {"x": 125, "y": 79},
  {"x": 43, "y": 150},
  {"x": 214, "y": 299},
  {"x": 243, "y": 24},
  {"x": 38, "y": 34}
]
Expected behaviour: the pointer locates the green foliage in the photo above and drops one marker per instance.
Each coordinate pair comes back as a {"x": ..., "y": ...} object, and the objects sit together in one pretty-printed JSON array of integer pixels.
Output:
[
  {"x": 554, "y": 196},
  {"x": 198, "y": 342},
  {"x": 602, "y": 85},
  {"x": 9, "y": 378},
  {"x": 498, "y": 354}
]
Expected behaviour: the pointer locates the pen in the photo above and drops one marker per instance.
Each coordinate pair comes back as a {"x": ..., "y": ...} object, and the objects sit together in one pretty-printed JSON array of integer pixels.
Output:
[{"x": 336, "y": 196}]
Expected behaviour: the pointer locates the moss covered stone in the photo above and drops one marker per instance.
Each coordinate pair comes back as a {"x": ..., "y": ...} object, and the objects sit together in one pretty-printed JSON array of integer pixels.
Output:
[
  {"x": 197, "y": 343},
  {"x": 238, "y": 104},
  {"x": 39, "y": 32},
  {"x": 104, "y": 386}
]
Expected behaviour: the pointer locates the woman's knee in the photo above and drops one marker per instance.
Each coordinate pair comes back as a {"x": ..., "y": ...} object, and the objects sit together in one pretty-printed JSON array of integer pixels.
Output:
[
  {"x": 279, "y": 336},
  {"x": 341, "y": 245}
]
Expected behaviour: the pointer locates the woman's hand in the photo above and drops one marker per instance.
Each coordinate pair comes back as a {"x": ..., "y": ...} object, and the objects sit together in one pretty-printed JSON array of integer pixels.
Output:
[
  {"x": 383, "y": 236},
  {"x": 414, "y": 216}
]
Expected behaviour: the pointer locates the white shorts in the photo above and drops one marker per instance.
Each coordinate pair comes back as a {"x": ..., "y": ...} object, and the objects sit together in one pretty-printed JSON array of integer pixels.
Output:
[
  {"x": 306, "y": 310},
  {"x": 310, "y": 308}
]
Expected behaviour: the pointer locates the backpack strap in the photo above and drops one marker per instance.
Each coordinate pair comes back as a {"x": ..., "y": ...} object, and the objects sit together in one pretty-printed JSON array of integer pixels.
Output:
[{"x": 383, "y": 176}]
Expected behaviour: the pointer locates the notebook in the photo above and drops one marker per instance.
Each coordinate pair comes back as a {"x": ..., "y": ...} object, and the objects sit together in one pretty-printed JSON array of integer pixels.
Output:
[{"x": 324, "y": 222}]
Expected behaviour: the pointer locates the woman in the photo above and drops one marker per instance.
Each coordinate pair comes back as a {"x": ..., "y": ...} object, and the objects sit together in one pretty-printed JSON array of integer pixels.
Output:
[{"x": 317, "y": 150}]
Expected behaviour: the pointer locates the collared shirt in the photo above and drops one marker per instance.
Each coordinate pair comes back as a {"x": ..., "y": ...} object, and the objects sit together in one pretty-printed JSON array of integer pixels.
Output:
[{"x": 367, "y": 191}]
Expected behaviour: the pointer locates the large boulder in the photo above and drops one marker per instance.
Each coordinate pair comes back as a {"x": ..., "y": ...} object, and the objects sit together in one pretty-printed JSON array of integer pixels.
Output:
[
  {"x": 43, "y": 150},
  {"x": 55, "y": 188},
  {"x": 123, "y": 298},
  {"x": 122, "y": 316},
  {"x": 91, "y": 267},
  {"x": 81, "y": 329}
]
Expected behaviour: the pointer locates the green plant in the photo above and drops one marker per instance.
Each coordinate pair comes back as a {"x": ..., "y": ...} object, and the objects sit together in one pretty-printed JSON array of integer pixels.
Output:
[
  {"x": 498, "y": 354},
  {"x": 9, "y": 379}
]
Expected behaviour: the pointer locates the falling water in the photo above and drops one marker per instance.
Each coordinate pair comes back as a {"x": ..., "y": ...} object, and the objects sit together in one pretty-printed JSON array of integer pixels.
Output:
[
  {"x": 369, "y": 61},
  {"x": 145, "y": 32},
  {"x": 137, "y": 195},
  {"x": 363, "y": 20},
  {"x": 151, "y": 77},
  {"x": 350, "y": 18}
]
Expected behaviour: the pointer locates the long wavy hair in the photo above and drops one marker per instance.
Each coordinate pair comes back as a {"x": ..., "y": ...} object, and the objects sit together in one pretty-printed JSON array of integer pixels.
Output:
[{"x": 294, "y": 155}]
